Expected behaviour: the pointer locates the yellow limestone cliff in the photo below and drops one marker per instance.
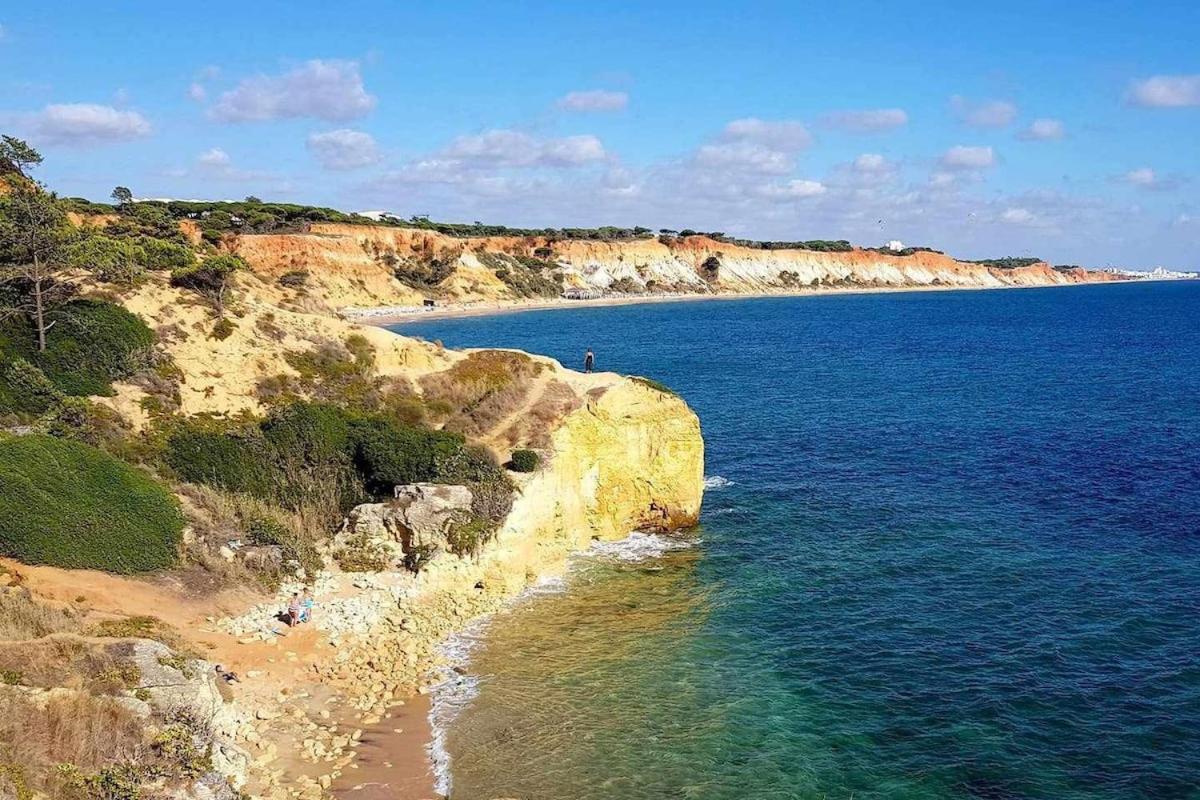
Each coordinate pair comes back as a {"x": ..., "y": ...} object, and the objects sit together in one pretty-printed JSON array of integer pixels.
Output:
[{"x": 620, "y": 454}]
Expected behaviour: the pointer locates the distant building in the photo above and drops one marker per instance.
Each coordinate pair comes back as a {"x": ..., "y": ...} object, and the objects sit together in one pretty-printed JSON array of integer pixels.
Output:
[{"x": 895, "y": 245}]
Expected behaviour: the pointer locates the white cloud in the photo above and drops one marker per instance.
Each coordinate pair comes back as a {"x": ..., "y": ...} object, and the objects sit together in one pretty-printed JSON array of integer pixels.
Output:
[
  {"x": 785, "y": 136},
  {"x": 1018, "y": 216},
  {"x": 197, "y": 92},
  {"x": 330, "y": 90},
  {"x": 866, "y": 121},
  {"x": 744, "y": 156},
  {"x": 1166, "y": 91},
  {"x": 343, "y": 149},
  {"x": 1043, "y": 130},
  {"x": 871, "y": 164},
  {"x": 508, "y": 148},
  {"x": 1148, "y": 178},
  {"x": 942, "y": 180},
  {"x": 966, "y": 158},
  {"x": 216, "y": 158},
  {"x": 986, "y": 114},
  {"x": 754, "y": 146},
  {"x": 594, "y": 100},
  {"x": 795, "y": 189},
  {"x": 87, "y": 124},
  {"x": 216, "y": 163}
]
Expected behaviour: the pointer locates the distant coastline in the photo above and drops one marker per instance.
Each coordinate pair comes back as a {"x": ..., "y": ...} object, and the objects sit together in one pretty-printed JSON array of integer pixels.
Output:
[{"x": 399, "y": 315}]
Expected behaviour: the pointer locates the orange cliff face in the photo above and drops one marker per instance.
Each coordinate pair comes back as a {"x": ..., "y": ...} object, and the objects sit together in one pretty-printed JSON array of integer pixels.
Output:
[{"x": 356, "y": 266}]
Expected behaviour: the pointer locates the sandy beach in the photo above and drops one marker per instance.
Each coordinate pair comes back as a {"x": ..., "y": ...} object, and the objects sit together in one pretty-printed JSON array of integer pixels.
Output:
[
  {"x": 387, "y": 316},
  {"x": 391, "y": 761}
]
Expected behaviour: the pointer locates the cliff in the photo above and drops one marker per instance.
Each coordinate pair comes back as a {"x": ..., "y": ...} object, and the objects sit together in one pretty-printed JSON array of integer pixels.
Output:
[
  {"x": 616, "y": 455},
  {"x": 358, "y": 266}
]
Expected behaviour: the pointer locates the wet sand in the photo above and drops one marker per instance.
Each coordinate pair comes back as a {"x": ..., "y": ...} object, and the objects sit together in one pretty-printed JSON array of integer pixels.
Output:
[{"x": 390, "y": 765}]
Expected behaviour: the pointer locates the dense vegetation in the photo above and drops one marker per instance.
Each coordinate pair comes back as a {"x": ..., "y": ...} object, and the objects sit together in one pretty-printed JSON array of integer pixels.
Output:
[
  {"x": 306, "y": 452},
  {"x": 70, "y": 505},
  {"x": 907, "y": 251},
  {"x": 1008, "y": 262},
  {"x": 92, "y": 344},
  {"x": 215, "y": 219},
  {"x": 218, "y": 218}
]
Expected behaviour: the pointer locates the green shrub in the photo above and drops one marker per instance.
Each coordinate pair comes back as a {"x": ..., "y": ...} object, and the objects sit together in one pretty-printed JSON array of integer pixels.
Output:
[
  {"x": 110, "y": 259},
  {"x": 199, "y": 451},
  {"x": 92, "y": 344},
  {"x": 223, "y": 329},
  {"x": 310, "y": 434},
  {"x": 211, "y": 278},
  {"x": 524, "y": 461},
  {"x": 324, "y": 458},
  {"x": 163, "y": 255},
  {"x": 25, "y": 389},
  {"x": 389, "y": 455},
  {"x": 12, "y": 783},
  {"x": 70, "y": 505},
  {"x": 176, "y": 743}
]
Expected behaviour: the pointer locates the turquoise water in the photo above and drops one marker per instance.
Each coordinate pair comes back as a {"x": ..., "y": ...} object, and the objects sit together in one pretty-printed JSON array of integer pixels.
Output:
[{"x": 958, "y": 556}]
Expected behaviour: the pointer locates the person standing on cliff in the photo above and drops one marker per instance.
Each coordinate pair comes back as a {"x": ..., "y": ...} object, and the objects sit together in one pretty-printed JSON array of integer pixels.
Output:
[{"x": 589, "y": 361}]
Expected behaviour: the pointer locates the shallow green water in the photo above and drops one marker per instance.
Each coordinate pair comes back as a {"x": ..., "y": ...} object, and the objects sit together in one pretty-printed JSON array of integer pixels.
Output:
[{"x": 956, "y": 555}]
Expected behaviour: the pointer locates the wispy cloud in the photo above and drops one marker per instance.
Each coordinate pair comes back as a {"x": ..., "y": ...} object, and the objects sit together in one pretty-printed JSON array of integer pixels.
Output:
[
  {"x": 509, "y": 148},
  {"x": 594, "y": 100},
  {"x": 329, "y": 90},
  {"x": 217, "y": 164},
  {"x": 1043, "y": 130},
  {"x": 876, "y": 120},
  {"x": 1166, "y": 91},
  {"x": 343, "y": 149},
  {"x": 984, "y": 114},
  {"x": 963, "y": 157},
  {"x": 86, "y": 124},
  {"x": 1148, "y": 178}
]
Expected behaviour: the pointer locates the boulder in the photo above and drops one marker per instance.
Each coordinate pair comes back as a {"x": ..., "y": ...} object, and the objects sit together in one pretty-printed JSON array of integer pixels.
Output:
[{"x": 411, "y": 527}]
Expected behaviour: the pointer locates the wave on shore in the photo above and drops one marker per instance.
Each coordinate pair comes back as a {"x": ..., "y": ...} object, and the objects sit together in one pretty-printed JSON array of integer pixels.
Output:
[{"x": 712, "y": 482}]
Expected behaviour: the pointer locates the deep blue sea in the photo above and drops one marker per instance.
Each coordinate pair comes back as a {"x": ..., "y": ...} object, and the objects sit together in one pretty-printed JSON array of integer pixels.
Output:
[{"x": 951, "y": 550}]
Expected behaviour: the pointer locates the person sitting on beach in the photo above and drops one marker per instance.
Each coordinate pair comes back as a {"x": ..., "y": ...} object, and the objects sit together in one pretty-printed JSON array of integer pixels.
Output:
[
  {"x": 589, "y": 361},
  {"x": 293, "y": 610},
  {"x": 306, "y": 605}
]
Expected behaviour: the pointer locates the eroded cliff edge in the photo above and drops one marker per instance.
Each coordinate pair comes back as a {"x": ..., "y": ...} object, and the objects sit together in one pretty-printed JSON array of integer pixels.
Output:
[{"x": 362, "y": 266}]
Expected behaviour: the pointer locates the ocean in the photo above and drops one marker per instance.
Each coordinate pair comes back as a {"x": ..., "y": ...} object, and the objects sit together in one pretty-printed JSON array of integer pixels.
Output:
[{"x": 950, "y": 548}]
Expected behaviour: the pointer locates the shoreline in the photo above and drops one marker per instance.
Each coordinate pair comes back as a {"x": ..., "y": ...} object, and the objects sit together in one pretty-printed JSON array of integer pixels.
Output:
[{"x": 386, "y": 316}]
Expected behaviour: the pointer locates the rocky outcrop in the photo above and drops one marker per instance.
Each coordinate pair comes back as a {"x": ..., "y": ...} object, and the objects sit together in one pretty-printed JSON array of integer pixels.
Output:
[{"x": 408, "y": 530}]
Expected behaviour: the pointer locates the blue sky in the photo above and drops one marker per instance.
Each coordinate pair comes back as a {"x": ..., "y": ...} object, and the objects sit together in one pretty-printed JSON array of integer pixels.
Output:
[{"x": 1068, "y": 131}]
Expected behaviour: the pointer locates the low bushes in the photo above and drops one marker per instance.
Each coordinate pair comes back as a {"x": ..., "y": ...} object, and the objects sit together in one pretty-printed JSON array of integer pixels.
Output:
[
  {"x": 66, "y": 504},
  {"x": 23, "y": 617},
  {"x": 320, "y": 460},
  {"x": 306, "y": 448}
]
